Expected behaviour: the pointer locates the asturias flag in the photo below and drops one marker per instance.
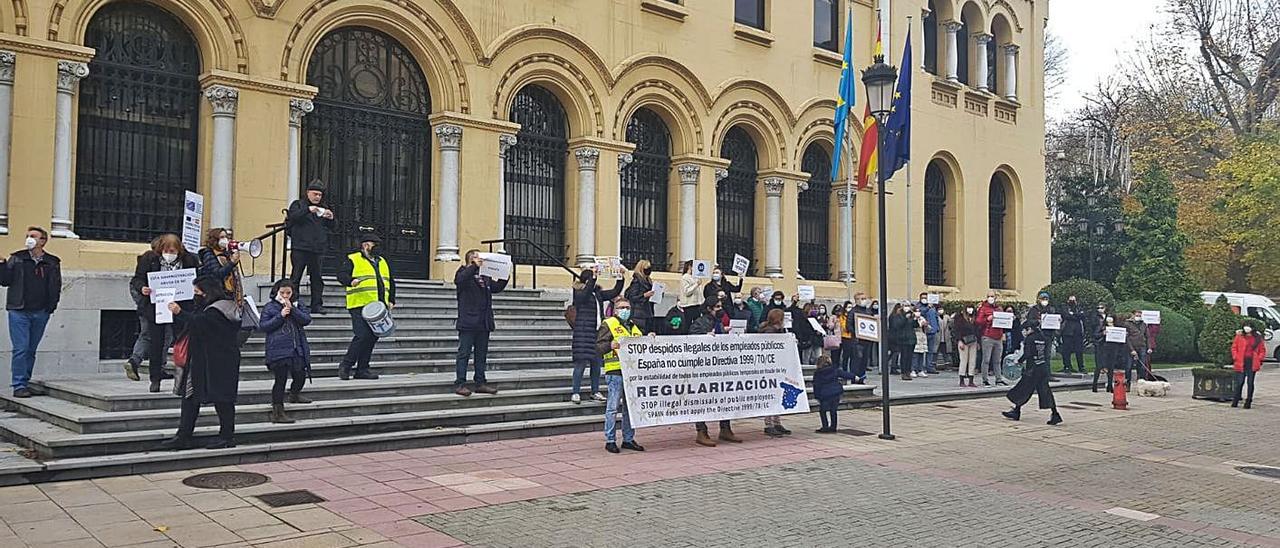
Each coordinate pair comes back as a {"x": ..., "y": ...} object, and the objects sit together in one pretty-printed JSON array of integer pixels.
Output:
[
  {"x": 897, "y": 138},
  {"x": 846, "y": 98}
]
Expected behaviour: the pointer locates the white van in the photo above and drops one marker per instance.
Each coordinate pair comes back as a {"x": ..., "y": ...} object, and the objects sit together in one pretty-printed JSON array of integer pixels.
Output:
[{"x": 1256, "y": 307}]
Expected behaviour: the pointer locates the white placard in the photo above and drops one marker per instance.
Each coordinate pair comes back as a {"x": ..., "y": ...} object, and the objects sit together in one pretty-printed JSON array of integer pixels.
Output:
[
  {"x": 181, "y": 281},
  {"x": 1002, "y": 320},
  {"x": 786, "y": 321},
  {"x": 683, "y": 379},
  {"x": 817, "y": 326},
  {"x": 1117, "y": 334},
  {"x": 1051, "y": 321},
  {"x": 1151, "y": 317},
  {"x": 609, "y": 266},
  {"x": 741, "y": 265},
  {"x": 496, "y": 266},
  {"x": 806, "y": 292},
  {"x": 162, "y": 298},
  {"x": 659, "y": 289},
  {"x": 702, "y": 270},
  {"x": 934, "y": 298},
  {"x": 868, "y": 327},
  {"x": 737, "y": 326},
  {"x": 192, "y": 221}
]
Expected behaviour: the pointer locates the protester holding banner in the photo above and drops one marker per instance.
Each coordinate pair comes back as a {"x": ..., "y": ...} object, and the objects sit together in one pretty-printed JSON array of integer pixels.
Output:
[
  {"x": 367, "y": 277},
  {"x": 773, "y": 323},
  {"x": 863, "y": 349},
  {"x": 614, "y": 328},
  {"x": 1035, "y": 378},
  {"x": 1112, "y": 351},
  {"x": 166, "y": 255},
  {"x": 709, "y": 323},
  {"x": 587, "y": 301},
  {"x": 475, "y": 321},
  {"x": 689, "y": 299},
  {"x": 211, "y": 373},
  {"x": 720, "y": 283},
  {"x": 639, "y": 293},
  {"x": 34, "y": 279},
  {"x": 308, "y": 224}
]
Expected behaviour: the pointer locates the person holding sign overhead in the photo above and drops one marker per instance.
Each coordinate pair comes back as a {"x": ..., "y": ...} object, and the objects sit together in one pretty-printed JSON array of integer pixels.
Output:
[
  {"x": 614, "y": 328},
  {"x": 367, "y": 277},
  {"x": 588, "y": 299},
  {"x": 475, "y": 321},
  {"x": 719, "y": 283},
  {"x": 166, "y": 255},
  {"x": 34, "y": 279}
]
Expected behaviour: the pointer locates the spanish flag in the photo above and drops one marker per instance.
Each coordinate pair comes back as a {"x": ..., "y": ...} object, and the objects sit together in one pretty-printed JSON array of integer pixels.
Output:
[{"x": 868, "y": 153}]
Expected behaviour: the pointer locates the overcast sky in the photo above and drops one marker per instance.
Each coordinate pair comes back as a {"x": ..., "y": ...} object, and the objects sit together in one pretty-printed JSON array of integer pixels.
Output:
[{"x": 1094, "y": 31}]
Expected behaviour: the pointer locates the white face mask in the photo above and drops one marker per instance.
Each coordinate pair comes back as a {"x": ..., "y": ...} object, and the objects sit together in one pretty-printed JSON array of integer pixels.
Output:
[
  {"x": 169, "y": 257},
  {"x": 969, "y": 311},
  {"x": 223, "y": 243},
  {"x": 31, "y": 243},
  {"x": 991, "y": 300},
  {"x": 715, "y": 277},
  {"x": 1248, "y": 329},
  {"x": 866, "y": 303},
  {"x": 1044, "y": 303}
]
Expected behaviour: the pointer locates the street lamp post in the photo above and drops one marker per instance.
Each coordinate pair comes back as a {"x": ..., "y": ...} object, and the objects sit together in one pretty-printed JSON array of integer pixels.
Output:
[{"x": 879, "y": 81}]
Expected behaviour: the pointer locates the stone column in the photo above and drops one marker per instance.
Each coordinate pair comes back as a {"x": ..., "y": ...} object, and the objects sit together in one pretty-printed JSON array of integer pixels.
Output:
[
  {"x": 689, "y": 174},
  {"x": 624, "y": 160},
  {"x": 983, "y": 41},
  {"x": 1011, "y": 72},
  {"x": 505, "y": 141},
  {"x": 297, "y": 109},
  {"x": 588, "y": 159},
  {"x": 69, "y": 75},
  {"x": 224, "y": 100},
  {"x": 7, "y": 61},
  {"x": 773, "y": 227},
  {"x": 845, "y": 197},
  {"x": 953, "y": 51},
  {"x": 450, "y": 136}
]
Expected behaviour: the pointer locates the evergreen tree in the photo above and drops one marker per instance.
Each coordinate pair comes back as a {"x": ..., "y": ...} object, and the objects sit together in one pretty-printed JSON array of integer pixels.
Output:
[
  {"x": 1155, "y": 265},
  {"x": 1088, "y": 210}
]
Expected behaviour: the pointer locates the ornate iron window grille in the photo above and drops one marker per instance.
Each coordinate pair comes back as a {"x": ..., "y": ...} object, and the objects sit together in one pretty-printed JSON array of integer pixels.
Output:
[
  {"x": 997, "y": 204},
  {"x": 644, "y": 191},
  {"x": 535, "y": 176},
  {"x": 814, "y": 210},
  {"x": 136, "y": 140},
  {"x": 935, "y": 204},
  {"x": 370, "y": 142},
  {"x": 736, "y": 199}
]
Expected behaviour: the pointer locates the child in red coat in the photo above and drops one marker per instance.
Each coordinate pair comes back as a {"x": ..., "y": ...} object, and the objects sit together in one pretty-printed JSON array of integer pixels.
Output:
[{"x": 1247, "y": 351}]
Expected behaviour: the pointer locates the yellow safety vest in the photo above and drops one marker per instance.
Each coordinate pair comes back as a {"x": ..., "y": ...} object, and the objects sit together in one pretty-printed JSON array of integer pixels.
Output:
[
  {"x": 611, "y": 362},
  {"x": 364, "y": 280}
]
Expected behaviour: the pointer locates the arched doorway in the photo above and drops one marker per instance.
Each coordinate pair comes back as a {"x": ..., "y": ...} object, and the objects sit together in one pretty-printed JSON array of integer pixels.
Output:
[
  {"x": 644, "y": 191},
  {"x": 369, "y": 141},
  {"x": 137, "y": 137},
  {"x": 736, "y": 199},
  {"x": 935, "y": 206},
  {"x": 815, "y": 215},
  {"x": 998, "y": 233},
  {"x": 535, "y": 176}
]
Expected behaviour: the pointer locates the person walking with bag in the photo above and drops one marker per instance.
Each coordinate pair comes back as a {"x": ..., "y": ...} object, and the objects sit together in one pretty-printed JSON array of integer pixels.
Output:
[
  {"x": 587, "y": 301},
  {"x": 1248, "y": 350},
  {"x": 208, "y": 360},
  {"x": 475, "y": 293},
  {"x": 166, "y": 255},
  {"x": 34, "y": 279},
  {"x": 616, "y": 327},
  {"x": 367, "y": 277},
  {"x": 308, "y": 224},
  {"x": 1035, "y": 378},
  {"x": 288, "y": 354}
]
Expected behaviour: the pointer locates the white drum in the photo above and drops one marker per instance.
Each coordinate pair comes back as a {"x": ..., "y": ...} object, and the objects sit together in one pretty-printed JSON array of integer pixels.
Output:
[{"x": 379, "y": 318}]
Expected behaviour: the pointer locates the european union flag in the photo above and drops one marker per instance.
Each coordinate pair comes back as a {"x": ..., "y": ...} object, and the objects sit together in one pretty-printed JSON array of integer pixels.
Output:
[
  {"x": 897, "y": 139},
  {"x": 846, "y": 98}
]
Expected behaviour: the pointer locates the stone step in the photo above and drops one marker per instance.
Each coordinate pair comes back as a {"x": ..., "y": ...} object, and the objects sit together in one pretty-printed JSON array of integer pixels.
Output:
[
  {"x": 256, "y": 368},
  {"x": 342, "y": 321},
  {"x": 418, "y": 353},
  {"x": 400, "y": 340}
]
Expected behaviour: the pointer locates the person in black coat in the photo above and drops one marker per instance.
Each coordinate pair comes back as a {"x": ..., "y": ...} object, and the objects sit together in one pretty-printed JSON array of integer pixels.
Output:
[
  {"x": 901, "y": 335},
  {"x": 638, "y": 294},
  {"x": 1035, "y": 377},
  {"x": 34, "y": 279},
  {"x": 720, "y": 283},
  {"x": 167, "y": 253},
  {"x": 475, "y": 321},
  {"x": 212, "y": 372},
  {"x": 1072, "y": 335},
  {"x": 587, "y": 300},
  {"x": 307, "y": 225}
]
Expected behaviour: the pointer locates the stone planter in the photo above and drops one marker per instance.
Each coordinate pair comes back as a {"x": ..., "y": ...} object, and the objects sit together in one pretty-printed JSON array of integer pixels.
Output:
[{"x": 1214, "y": 383}]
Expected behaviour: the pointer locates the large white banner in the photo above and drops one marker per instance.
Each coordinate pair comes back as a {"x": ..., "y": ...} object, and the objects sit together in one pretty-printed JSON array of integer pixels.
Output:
[{"x": 682, "y": 379}]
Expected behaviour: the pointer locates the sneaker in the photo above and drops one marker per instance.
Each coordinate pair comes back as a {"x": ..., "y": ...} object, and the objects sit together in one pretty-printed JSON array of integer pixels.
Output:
[
  {"x": 633, "y": 446},
  {"x": 575, "y": 398},
  {"x": 612, "y": 448},
  {"x": 914, "y": 374},
  {"x": 22, "y": 393},
  {"x": 598, "y": 397},
  {"x": 486, "y": 389},
  {"x": 924, "y": 375},
  {"x": 464, "y": 391},
  {"x": 131, "y": 370}
]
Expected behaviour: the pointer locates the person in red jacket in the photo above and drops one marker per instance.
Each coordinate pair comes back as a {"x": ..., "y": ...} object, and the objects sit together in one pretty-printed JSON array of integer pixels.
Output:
[
  {"x": 1247, "y": 351},
  {"x": 992, "y": 341}
]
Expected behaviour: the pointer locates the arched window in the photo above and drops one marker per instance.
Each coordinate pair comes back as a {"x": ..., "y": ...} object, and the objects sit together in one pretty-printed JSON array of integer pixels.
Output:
[
  {"x": 814, "y": 209},
  {"x": 931, "y": 40},
  {"x": 644, "y": 191},
  {"x": 963, "y": 50},
  {"x": 369, "y": 142},
  {"x": 997, "y": 204},
  {"x": 535, "y": 176},
  {"x": 736, "y": 199},
  {"x": 1002, "y": 35},
  {"x": 935, "y": 205},
  {"x": 137, "y": 138}
]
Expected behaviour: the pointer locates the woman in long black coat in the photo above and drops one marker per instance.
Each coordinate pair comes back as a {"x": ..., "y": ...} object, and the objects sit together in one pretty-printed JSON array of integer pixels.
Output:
[
  {"x": 212, "y": 372},
  {"x": 1035, "y": 377},
  {"x": 638, "y": 294},
  {"x": 587, "y": 298}
]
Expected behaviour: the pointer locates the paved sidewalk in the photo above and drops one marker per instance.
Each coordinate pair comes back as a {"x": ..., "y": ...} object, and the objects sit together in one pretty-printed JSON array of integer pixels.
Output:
[{"x": 1161, "y": 474}]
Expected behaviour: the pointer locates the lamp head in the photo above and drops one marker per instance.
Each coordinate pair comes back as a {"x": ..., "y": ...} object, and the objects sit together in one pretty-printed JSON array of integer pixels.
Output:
[{"x": 879, "y": 80}]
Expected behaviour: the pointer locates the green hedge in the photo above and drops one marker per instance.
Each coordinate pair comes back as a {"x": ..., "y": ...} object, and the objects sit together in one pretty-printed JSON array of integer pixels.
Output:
[
  {"x": 1088, "y": 292},
  {"x": 1176, "y": 342},
  {"x": 1220, "y": 330}
]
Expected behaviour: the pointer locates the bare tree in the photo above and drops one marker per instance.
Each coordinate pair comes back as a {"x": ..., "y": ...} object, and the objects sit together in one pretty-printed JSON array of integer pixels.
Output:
[{"x": 1055, "y": 65}]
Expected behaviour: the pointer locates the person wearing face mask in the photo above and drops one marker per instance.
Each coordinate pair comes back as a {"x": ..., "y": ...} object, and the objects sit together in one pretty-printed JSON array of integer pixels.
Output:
[
  {"x": 367, "y": 277},
  {"x": 475, "y": 322},
  {"x": 706, "y": 324},
  {"x": 720, "y": 283},
  {"x": 901, "y": 337},
  {"x": 1035, "y": 378},
  {"x": 588, "y": 299},
  {"x": 220, "y": 262},
  {"x": 687, "y": 300},
  {"x": 212, "y": 372},
  {"x": 1099, "y": 324},
  {"x": 1248, "y": 350},
  {"x": 965, "y": 332},
  {"x": 859, "y": 351},
  {"x": 1072, "y": 334},
  {"x": 1042, "y": 307},
  {"x": 1136, "y": 344},
  {"x": 166, "y": 254},
  {"x": 834, "y": 323},
  {"x": 308, "y": 224},
  {"x": 808, "y": 340},
  {"x": 142, "y": 345},
  {"x": 34, "y": 279},
  {"x": 738, "y": 310},
  {"x": 612, "y": 330},
  {"x": 1109, "y": 354},
  {"x": 930, "y": 315},
  {"x": 288, "y": 353},
  {"x": 638, "y": 294},
  {"x": 991, "y": 341},
  {"x": 776, "y": 302},
  {"x": 756, "y": 305}
]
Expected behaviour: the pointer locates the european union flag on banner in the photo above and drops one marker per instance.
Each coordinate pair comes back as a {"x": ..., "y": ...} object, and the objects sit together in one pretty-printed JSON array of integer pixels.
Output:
[
  {"x": 897, "y": 138},
  {"x": 847, "y": 97}
]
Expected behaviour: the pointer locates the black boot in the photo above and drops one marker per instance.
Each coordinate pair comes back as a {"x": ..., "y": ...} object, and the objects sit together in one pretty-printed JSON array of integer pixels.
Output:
[
  {"x": 1012, "y": 414},
  {"x": 1248, "y": 404},
  {"x": 220, "y": 443},
  {"x": 296, "y": 397},
  {"x": 1055, "y": 419},
  {"x": 1235, "y": 403},
  {"x": 176, "y": 443}
]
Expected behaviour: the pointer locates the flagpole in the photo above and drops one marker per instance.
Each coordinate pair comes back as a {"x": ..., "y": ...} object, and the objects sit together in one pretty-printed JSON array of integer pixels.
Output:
[{"x": 907, "y": 234}]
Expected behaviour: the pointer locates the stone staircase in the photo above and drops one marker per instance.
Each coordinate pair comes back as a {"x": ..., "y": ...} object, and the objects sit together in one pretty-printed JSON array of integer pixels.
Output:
[{"x": 106, "y": 425}]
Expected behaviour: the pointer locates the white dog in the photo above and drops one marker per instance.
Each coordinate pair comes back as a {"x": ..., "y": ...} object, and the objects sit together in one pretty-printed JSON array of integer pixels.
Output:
[{"x": 1153, "y": 389}]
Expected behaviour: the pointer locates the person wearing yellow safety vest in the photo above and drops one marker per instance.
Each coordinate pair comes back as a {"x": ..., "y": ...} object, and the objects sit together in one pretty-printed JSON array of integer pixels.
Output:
[
  {"x": 615, "y": 327},
  {"x": 367, "y": 279}
]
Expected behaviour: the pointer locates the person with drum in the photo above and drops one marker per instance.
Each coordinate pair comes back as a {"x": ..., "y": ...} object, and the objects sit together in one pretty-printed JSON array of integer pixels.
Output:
[{"x": 371, "y": 295}]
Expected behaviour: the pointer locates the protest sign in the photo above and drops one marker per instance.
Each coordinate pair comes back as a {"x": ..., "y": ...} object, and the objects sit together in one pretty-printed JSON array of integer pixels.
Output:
[
  {"x": 1151, "y": 317},
  {"x": 162, "y": 297},
  {"x": 1002, "y": 320},
  {"x": 1117, "y": 334},
  {"x": 1051, "y": 321},
  {"x": 179, "y": 280},
  {"x": 702, "y": 269},
  {"x": 806, "y": 292},
  {"x": 610, "y": 267},
  {"x": 817, "y": 326},
  {"x": 496, "y": 266},
  {"x": 192, "y": 222},
  {"x": 934, "y": 298},
  {"x": 740, "y": 265},
  {"x": 868, "y": 327},
  {"x": 738, "y": 326},
  {"x": 683, "y": 379},
  {"x": 659, "y": 289}
]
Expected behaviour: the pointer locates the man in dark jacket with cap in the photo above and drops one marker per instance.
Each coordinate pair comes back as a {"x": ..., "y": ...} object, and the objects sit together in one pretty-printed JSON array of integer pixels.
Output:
[
  {"x": 475, "y": 321},
  {"x": 367, "y": 277},
  {"x": 308, "y": 225}
]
